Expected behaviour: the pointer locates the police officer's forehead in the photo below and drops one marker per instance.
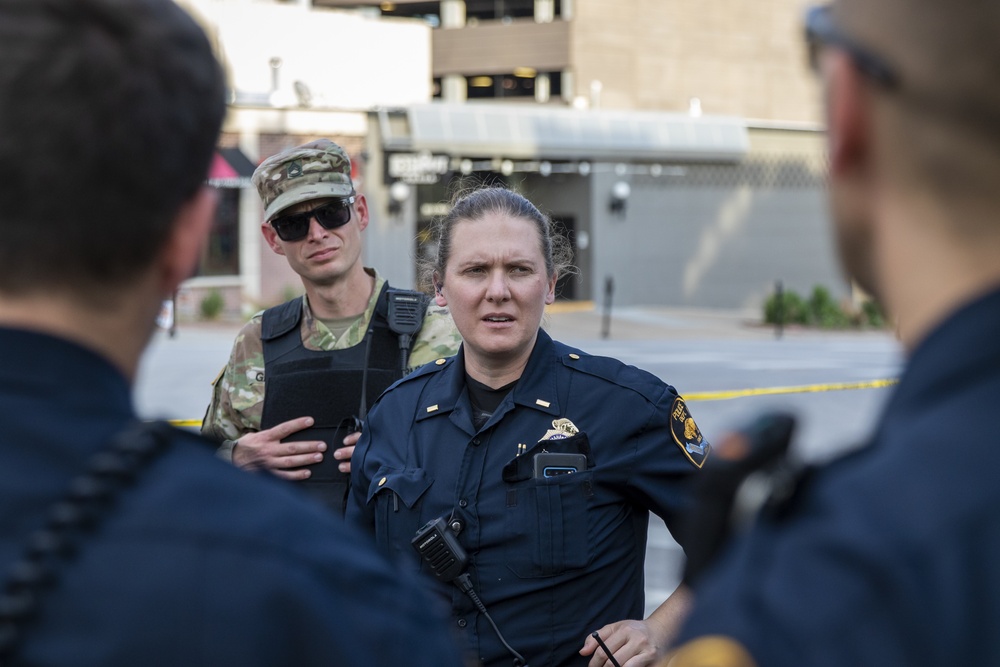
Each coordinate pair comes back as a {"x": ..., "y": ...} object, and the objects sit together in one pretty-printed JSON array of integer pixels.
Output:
[{"x": 480, "y": 226}]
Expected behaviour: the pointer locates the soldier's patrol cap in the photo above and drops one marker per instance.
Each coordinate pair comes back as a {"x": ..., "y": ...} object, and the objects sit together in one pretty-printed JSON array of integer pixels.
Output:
[{"x": 314, "y": 170}]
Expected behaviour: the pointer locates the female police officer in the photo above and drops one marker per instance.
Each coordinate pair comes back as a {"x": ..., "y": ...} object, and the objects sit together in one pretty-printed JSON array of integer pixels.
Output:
[{"x": 542, "y": 461}]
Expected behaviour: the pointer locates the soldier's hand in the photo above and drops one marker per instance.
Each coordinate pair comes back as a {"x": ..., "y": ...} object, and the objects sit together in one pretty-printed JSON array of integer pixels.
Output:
[
  {"x": 264, "y": 450},
  {"x": 344, "y": 454},
  {"x": 633, "y": 644}
]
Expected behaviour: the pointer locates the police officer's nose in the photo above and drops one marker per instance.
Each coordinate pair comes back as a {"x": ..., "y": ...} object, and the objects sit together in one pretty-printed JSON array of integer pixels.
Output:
[{"x": 497, "y": 290}]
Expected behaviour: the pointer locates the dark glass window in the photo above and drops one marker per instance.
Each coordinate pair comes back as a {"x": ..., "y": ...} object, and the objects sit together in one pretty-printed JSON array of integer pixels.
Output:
[
  {"x": 488, "y": 10},
  {"x": 221, "y": 255},
  {"x": 521, "y": 84},
  {"x": 428, "y": 11},
  {"x": 555, "y": 85}
]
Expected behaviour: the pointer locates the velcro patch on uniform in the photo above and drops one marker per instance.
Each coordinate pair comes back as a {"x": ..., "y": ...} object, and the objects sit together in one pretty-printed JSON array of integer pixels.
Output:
[{"x": 686, "y": 433}]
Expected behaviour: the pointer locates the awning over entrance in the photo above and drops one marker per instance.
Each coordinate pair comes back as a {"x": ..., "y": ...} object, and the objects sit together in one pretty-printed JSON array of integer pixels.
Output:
[
  {"x": 230, "y": 169},
  {"x": 558, "y": 133}
]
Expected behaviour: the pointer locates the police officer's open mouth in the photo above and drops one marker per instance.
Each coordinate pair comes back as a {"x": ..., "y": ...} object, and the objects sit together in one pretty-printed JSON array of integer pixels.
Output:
[{"x": 498, "y": 319}]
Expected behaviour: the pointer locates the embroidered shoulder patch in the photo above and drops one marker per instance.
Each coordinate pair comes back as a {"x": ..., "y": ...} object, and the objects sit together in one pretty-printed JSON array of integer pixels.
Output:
[{"x": 686, "y": 433}]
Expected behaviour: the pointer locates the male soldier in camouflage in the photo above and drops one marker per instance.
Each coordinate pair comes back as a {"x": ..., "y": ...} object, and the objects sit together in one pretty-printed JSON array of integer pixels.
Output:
[{"x": 326, "y": 355}]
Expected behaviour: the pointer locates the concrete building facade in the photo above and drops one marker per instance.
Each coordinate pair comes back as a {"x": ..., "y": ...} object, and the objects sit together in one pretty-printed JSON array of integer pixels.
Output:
[{"x": 677, "y": 141}]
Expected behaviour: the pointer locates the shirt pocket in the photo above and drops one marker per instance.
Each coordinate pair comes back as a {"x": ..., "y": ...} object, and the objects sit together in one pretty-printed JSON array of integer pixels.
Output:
[
  {"x": 395, "y": 495},
  {"x": 546, "y": 524}
]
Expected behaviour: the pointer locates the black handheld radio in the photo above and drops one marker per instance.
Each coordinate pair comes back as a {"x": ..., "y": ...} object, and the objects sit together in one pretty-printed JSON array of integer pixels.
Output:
[
  {"x": 439, "y": 548},
  {"x": 405, "y": 317}
]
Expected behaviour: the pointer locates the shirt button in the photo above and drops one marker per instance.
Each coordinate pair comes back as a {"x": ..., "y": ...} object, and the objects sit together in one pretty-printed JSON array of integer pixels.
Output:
[
  {"x": 456, "y": 526},
  {"x": 461, "y": 623},
  {"x": 475, "y": 441},
  {"x": 463, "y": 503}
]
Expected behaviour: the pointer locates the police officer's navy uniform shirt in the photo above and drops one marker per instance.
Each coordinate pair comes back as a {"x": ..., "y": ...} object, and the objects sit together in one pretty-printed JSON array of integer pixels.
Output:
[
  {"x": 552, "y": 559},
  {"x": 198, "y": 563},
  {"x": 890, "y": 556}
]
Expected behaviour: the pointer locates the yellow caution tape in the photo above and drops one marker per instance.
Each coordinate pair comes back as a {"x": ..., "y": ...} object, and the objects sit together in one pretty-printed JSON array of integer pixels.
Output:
[
  {"x": 772, "y": 391},
  {"x": 712, "y": 395},
  {"x": 185, "y": 422}
]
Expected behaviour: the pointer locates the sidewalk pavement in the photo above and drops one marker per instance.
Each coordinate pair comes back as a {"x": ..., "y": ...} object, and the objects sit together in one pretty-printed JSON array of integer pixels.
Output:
[{"x": 582, "y": 320}]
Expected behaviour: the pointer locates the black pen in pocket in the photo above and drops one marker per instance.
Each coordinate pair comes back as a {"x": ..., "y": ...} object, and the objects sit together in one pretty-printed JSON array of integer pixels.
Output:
[{"x": 604, "y": 647}]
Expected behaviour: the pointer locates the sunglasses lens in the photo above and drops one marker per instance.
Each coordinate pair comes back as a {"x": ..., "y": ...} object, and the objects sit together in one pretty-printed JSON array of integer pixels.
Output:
[
  {"x": 292, "y": 227},
  {"x": 295, "y": 226},
  {"x": 333, "y": 215},
  {"x": 816, "y": 20}
]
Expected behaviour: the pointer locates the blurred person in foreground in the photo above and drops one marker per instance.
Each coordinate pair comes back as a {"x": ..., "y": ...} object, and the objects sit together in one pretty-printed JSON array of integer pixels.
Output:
[
  {"x": 889, "y": 555},
  {"x": 301, "y": 375},
  {"x": 122, "y": 542},
  {"x": 541, "y": 461}
]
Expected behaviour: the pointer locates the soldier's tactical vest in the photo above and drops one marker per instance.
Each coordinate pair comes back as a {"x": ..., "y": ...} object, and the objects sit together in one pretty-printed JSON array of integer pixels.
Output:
[{"x": 334, "y": 387}]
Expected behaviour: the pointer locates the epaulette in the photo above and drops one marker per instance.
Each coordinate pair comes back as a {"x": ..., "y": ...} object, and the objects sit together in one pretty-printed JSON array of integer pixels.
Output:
[
  {"x": 617, "y": 372},
  {"x": 426, "y": 369}
]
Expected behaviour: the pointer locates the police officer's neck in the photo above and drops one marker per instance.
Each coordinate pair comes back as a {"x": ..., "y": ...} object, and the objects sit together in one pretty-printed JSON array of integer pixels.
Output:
[
  {"x": 117, "y": 329},
  {"x": 494, "y": 372},
  {"x": 930, "y": 264}
]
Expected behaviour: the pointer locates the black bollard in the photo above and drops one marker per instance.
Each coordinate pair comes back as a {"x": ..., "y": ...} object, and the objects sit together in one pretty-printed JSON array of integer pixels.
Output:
[
  {"x": 779, "y": 309},
  {"x": 609, "y": 288}
]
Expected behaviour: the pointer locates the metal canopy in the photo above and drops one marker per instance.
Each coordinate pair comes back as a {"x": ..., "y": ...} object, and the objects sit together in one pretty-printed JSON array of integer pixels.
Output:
[{"x": 557, "y": 133}]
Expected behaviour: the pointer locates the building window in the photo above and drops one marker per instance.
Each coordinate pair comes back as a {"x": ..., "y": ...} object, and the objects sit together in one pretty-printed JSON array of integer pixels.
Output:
[
  {"x": 221, "y": 255},
  {"x": 428, "y": 11},
  {"x": 475, "y": 10},
  {"x": 520, "y": 83},
  {"x": 488, "y": 10}
]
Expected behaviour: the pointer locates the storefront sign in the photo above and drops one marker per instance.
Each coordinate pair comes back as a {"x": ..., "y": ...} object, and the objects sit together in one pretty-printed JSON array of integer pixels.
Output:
[{"x": 417, "y": 168}]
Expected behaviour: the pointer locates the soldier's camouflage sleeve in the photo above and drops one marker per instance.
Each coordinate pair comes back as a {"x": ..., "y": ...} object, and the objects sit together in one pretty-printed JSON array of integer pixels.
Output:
[
  {"x": 238, "y": 392},
  {"x": 438, "y": 337}
]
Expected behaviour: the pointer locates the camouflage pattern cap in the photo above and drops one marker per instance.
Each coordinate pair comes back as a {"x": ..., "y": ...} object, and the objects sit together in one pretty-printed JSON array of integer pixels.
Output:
[{"x": 318, "y": 169}]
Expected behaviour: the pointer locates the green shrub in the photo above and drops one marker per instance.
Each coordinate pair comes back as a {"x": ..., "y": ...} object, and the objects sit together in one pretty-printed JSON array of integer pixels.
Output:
[
  {"x": 788, "y": 309},
  {"x": 824, "y": 312},
  {"x": 212, "y": 305},
  {"x": 820, "y": 310}
]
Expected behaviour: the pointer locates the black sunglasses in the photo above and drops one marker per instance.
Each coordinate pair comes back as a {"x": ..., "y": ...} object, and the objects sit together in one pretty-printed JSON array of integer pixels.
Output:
[
  {"x": 295, "y": 226},
  {"x": 822, "y": 30}
]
